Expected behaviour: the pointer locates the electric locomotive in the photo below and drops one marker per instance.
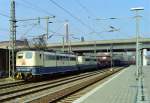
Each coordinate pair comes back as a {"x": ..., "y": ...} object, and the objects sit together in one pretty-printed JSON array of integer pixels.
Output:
[{"x": 37, "y": 63}]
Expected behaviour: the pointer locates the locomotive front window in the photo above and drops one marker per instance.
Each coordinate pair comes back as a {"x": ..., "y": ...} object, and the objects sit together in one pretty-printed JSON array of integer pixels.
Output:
[{"x": 29, "y": 55}]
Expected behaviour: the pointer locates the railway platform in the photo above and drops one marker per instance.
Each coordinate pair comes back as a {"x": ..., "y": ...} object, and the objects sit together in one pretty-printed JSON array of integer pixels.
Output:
[{"x": 121, "y": 88}]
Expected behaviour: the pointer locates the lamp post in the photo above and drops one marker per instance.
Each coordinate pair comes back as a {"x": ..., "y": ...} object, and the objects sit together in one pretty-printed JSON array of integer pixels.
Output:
[
  {"x": 137, "y": 18},
  {"x": 47, "y": 27},
  {"x": 67, "y": 34}
]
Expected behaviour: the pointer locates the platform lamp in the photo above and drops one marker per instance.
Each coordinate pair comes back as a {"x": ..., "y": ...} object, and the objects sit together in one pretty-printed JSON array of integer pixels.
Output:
[{"x": 137, "y": 18}]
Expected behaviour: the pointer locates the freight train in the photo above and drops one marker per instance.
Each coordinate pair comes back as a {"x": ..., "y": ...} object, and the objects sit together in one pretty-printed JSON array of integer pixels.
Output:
[{"x": 33, "y": 63}]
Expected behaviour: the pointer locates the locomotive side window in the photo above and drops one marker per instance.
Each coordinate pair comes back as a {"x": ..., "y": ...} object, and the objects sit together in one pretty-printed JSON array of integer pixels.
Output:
[
  {"x": 20, "y": 57},
  {"x": 63, "y": 57},
  {"x": 50, "y": 57},
  {"x": 73, "y": 58},
  {"x": 57, "y": 57},
  {"x": 40, "y": 56},
  {"x": 28, "y": 55},
  {"x": 87, "y": 59}
]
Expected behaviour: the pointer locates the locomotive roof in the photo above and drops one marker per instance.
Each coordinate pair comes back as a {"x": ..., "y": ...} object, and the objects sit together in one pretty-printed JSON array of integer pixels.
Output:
[
  {"x": 33, "y": 49},
  {"x": 50, "y": 52}
]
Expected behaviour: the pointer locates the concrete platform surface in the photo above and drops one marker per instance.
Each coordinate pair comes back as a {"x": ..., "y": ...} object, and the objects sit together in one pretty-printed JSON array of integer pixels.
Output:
[{"x": 122, "y": 88}]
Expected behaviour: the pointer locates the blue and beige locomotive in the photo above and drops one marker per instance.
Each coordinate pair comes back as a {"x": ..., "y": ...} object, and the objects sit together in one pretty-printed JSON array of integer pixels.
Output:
[{"x": 33, "y": 63}]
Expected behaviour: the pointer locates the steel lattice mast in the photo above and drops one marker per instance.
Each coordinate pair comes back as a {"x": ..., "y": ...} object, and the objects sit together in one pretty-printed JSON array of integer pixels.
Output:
[{"x": 12, "y": 41}]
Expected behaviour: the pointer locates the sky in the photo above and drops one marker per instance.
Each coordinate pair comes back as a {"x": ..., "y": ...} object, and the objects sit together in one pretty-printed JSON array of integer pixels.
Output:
[{"x": 86, "y": 18}]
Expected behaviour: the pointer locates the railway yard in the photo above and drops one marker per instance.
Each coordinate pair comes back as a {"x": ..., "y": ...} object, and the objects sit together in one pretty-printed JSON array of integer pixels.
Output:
[{"x": 51, "y": 90}]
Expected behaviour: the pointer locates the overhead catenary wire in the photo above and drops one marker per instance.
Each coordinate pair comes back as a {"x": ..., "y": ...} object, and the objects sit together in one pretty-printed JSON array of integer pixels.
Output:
[
  {"x": 89, "y": 13},
  {"x": 4, "y": 15},
  {"x": 34, "y": 7},
  {"x": 72, "y": 15},
  {"x": 31, "y": 28},
  {"x": 84, "y": 8},
  {"x": 110, "y": 20},
  {"x": 28, "y": 4}
]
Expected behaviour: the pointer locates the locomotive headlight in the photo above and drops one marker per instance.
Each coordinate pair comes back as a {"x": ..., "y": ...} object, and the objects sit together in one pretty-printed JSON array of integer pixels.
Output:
[{"x": 103, "y": 57}]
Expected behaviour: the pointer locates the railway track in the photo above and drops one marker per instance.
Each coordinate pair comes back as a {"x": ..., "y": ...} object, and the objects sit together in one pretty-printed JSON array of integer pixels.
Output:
[
  {"x": 24, "y": 92},
  {"x": 12, "y": 84},
  {"x": 12, "y": 92},
  {"x": 21, "y": 82}
]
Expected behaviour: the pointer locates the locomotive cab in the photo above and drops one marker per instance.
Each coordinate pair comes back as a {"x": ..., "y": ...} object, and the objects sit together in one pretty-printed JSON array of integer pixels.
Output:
[{"x": 26, "y": 62}]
